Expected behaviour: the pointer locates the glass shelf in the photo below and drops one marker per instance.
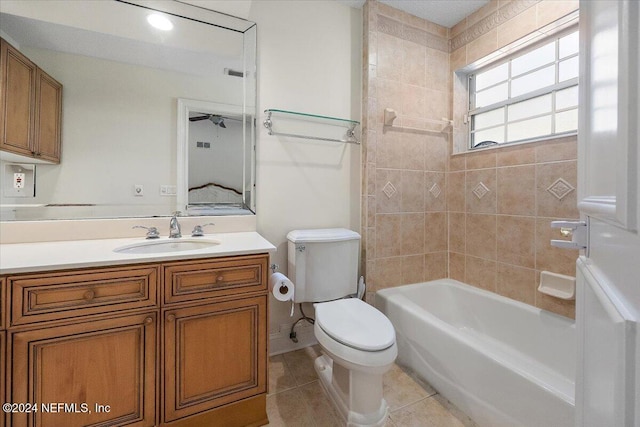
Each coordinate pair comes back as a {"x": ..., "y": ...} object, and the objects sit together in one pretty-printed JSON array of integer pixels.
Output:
[
  {"x": 313, "y": 117},
  {"x": 284, "y": 114}
]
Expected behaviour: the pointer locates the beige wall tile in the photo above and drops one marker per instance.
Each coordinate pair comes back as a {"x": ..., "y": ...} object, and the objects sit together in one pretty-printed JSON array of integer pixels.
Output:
[
  {"x": 558, "y": 149},
  {"x": 457, "y": 163},
  {"x": 387, "y": 153},
  {"x": 370, "y": 146},
  {"x": 555, "y": 305},
  {"x": 414, "y": 101},
  {"x": 414, "y": 64},
  {"x": 370, "y": 247},
  {"x": 372, "y": 75},
  {"x": 516, "y": 242},
  {"x": 413, "y": 147},
  {"x": 437, "y": 103},
  {"x": 457, "y": 266},
  {"x": 390, "y": 56},
  {"x": 517, "y": 27},
  {"x": 372, "y": 48},
  {"x": 481, "y": 159},
  {"x": 412, "y": 269},
  {"x": 458, "y": 59},
  {"x": 549, "y": 11},
  {"x": 457, "y": 232},
  {"x": 482, "y": 46},
  {"x": 437, "y": 69},
  {"x": 436, "y": 153},
  {"x": 480, "y": 273},
  {"x": 458, "y": 28},
  {"x": 487, "y": 202},
  {"x": 435, "y": 266},
  {"x": 549, "y": 205},
  {"x": 516, "y": 155},
  {"x": 370, "y": 173},
  {"x": 389, "y": 96},
  {"x": 384, "y": 203},
  {"x": 434, "y": 201},
  {"x": 389, "y": 11},
  {"x": 456, "y": 191},
  {"x": 516, "y": 283},
  {"x": 413, "y": 232},
  {"x": 435, "y": 232},
  {"x": 412, "y": 191},
  {"x": 480, "y": 236},
  {"x": 388, "y": 272},
  {"x": 371, "y": 212},
  {"x": 388, "y": 237},
  {"x": 548, "y": 257},
  {"x": 517, "y": 190}
]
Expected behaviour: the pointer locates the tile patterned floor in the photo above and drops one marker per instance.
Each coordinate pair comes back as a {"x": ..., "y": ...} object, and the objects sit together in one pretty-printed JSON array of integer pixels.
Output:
[{"x": 296, "y": 398}]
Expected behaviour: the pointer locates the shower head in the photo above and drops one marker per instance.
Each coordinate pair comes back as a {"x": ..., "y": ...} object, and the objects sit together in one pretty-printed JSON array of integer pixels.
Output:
[{"x": 216, "y": 119}]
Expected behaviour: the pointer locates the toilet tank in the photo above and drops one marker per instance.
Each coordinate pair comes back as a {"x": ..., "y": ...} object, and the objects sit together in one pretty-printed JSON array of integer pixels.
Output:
[{"x": 323, "y": 263}]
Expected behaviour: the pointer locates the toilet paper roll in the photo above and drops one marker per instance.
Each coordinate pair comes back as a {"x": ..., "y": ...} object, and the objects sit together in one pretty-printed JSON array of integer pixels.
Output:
[{"x": 281, "y": 287}]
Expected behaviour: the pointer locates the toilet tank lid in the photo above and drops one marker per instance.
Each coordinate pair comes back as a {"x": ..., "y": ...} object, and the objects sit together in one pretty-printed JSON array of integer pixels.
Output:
[{"x": 322, "y": 235}]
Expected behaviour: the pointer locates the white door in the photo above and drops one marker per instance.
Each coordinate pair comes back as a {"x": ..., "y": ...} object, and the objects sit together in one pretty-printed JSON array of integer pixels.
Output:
[{"x": 608, "y": 271}]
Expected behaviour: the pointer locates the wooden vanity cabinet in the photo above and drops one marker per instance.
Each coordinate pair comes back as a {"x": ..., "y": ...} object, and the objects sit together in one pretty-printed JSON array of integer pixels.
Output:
[
  {"x": 30, "y": 107},
  {"x": 105, "y": 336}
]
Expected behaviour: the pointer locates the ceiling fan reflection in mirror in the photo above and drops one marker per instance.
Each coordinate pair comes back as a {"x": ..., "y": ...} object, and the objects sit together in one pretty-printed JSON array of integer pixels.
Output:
[{"x": 216, "y": 119}]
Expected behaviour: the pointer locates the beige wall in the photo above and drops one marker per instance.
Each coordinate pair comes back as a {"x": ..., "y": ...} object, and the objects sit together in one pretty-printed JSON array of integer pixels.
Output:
[{"x": 498, "y": 241}]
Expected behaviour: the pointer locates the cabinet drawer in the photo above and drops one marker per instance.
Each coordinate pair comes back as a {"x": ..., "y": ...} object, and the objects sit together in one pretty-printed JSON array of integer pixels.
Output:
[
  {"x": 219, "y": 278},
  {"x": 38, "y": 298}
]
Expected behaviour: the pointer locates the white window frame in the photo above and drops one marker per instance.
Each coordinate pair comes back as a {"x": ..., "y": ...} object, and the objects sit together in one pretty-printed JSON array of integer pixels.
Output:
[{"x": 551, "y": 89}]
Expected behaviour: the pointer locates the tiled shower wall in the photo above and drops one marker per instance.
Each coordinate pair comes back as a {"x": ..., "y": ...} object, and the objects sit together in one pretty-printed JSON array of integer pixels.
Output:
[
  {"x": 482, "y": 218},
  {"x": 404, "y": 189}
]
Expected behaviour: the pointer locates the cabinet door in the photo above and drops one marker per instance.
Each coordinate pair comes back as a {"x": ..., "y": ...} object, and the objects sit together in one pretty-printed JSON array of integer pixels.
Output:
[
  {"x": 17, "y": 98},
  {"x": 214, "y": 355},
  {"x": 48, "y": 117},
  {"x": 108, "y": 362}
]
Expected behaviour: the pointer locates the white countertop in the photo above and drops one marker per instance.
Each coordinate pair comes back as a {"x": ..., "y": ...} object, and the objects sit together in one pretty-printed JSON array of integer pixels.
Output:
[{"x": 46, "y": 256}]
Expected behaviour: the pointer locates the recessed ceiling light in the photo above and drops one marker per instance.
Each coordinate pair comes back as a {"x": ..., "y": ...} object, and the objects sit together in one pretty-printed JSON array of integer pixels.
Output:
[{"x": 160, "y": 22}]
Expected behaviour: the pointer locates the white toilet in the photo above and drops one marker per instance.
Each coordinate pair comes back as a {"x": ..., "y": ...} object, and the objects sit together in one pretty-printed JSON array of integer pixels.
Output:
[{"x": 358, "y": 342}]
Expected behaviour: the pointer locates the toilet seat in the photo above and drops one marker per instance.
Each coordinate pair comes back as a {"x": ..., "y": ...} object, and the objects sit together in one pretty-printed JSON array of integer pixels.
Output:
[{"x": 356, "y": 324}]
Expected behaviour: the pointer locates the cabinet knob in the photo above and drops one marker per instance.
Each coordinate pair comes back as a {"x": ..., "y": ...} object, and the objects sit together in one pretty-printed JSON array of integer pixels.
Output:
[
  {"x": 148, "y": 320},
  {"x": 89, "y": 295},
  {"x": 171, "y": 318}
]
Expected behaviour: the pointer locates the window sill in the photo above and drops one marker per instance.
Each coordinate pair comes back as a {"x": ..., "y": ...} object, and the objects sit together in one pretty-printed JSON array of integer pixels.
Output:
[{"x": 516, "y": 144}]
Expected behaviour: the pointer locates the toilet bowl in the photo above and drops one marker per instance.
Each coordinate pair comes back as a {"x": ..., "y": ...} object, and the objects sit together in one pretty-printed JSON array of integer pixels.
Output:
[{"x": 358, "y": 346}]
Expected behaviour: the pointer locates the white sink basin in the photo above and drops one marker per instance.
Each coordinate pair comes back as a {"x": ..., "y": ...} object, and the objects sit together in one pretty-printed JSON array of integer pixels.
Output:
[{"x": 162, "y": 246}]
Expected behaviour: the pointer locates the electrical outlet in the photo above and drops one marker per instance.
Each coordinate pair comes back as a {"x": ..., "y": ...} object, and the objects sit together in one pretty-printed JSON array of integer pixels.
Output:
[
  {"x": 138, "y": 190},
  {"x": 18, "y": 180},
  {"x": 167, "y": 190}
]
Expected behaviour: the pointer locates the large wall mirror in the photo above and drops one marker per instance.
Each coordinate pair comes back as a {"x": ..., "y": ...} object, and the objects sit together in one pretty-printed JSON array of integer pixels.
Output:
[{"x": 153, "y": 121}]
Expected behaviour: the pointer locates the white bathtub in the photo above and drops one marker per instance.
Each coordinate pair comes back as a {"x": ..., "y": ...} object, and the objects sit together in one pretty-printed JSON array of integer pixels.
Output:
[{"x": 501, "y": 362}]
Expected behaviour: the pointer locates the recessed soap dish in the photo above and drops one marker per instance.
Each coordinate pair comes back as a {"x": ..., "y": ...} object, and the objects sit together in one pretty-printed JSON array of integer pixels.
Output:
[{"x": 557, "y": 285}]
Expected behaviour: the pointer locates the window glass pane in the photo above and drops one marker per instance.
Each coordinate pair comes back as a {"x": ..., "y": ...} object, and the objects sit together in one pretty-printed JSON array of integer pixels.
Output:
[
  {"x": 494, "y": 134},
  {"x": 569, "y": 45},
  {"x": 491, "y": 95},
  {"x": 533, "y": 81},
  {"x": 568, "y": 69},
  {"x": 567, "y": 121},
  {"x": 490, "y": 77},
  {"x": 490, "y": 118},
  {"x": 534, "y": 59},
  {"x": 526, "y": 129},
  {"x": 529, "y": 108},
  {"x": 567, "y": 98}
]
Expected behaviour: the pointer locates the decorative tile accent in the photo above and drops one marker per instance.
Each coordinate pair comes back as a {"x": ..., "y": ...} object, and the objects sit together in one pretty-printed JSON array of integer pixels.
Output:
[
  {"x": 435, "y": 190},
  {"x": 389, "y": 190},
  {"x": 416, "y": 35},
  {"x": 560, "y": 188},
  {"x": 492, "y": 21},
  {"x": 480, "y": 190}
]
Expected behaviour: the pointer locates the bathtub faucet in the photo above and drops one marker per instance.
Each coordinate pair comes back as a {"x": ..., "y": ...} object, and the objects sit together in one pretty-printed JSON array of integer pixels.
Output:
[{"x": 174, "y": 226}]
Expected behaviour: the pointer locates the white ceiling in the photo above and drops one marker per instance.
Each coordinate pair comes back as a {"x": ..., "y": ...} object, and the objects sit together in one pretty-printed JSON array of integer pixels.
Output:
[{"x": 442, "y": 12}]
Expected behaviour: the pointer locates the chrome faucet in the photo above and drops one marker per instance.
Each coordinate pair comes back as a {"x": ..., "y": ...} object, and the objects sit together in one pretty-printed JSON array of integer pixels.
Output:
[{"x": 174, "y": 226}]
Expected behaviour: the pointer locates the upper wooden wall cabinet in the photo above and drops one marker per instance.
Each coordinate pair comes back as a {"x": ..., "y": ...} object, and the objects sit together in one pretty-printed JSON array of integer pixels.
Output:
[{"x": 30, "y": 108}]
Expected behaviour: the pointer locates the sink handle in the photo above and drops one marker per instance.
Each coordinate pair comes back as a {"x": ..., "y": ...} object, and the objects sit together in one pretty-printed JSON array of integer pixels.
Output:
[
  {"x": 197, "y": 230},
  {"x": 152, "y": 232}
]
